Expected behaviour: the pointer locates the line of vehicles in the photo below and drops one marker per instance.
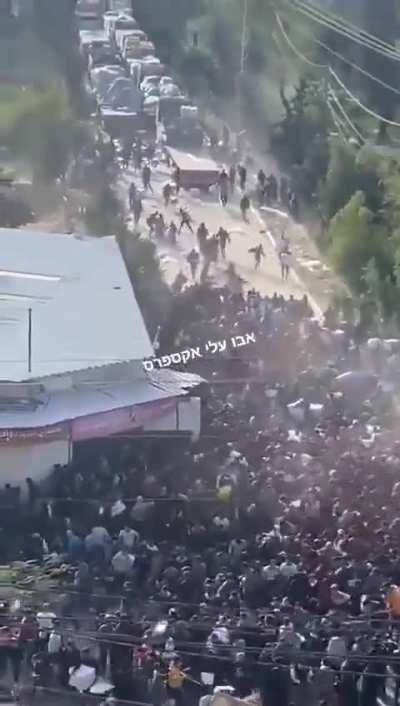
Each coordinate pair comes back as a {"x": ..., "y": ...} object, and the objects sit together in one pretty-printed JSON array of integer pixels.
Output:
[{"x": 131, "y": 90}]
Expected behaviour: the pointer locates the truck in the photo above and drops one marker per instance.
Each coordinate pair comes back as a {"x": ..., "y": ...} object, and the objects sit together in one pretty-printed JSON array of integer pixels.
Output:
[
  {"x": 180, "y": 122},
  {"x": 120, "y": 124},
  {"x": 90, "y": 9},
  {"x": 120, "y": 36},
  {"x": 121, "y": 6},
  {"x": 196, "y": 171}
]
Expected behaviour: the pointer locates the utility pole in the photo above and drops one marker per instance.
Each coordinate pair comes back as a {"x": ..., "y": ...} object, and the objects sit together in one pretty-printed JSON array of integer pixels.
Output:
[
  {"x": 29, "y": 340},
  {"x": 243, "y": 56},
  {"x": 243, "y": 60}
]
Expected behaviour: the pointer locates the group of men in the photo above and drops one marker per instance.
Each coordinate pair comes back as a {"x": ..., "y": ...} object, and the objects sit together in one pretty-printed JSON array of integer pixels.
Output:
[{"x": 265, "y": 554}]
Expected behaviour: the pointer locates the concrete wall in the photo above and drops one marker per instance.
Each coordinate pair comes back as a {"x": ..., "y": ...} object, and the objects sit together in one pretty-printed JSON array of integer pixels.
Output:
[{"x": 30, "y": 460}]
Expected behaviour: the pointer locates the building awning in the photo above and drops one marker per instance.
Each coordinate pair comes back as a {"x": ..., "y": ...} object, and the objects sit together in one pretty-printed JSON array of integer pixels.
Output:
[{"x": 96, "y": 398}]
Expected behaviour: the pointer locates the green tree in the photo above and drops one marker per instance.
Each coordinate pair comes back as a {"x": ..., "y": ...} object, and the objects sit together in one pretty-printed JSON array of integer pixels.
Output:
[
  {"x": 145, "y": 271},
  {"x": 349, "y": 170},
  {"x": 355, "y": 239},
  {"x": 55, "y": 25},
  {"x": 104, "y": 212},
  {"x": 43, "y": 131}
]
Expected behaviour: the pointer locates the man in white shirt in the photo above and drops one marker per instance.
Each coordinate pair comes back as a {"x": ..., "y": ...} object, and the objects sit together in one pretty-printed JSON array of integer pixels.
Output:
[
  {"x": 99, "y": 535},
  {"x": 45, "y": 618},
  {"x": 336, "y": 651},
  {"x": 122, "y": 563},
  {"x": 129, "y": 538},
  {"x": 288, "y": 569},
  {"x": 271, "y": 571},
  {"x": 55, "y": 640},
  {"x": 118, "y": 508}
]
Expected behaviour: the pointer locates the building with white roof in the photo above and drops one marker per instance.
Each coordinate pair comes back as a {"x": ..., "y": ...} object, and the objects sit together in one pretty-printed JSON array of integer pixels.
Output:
[
  {"x": 66, "y": 304},
  {"x": 72, "y": 342}
]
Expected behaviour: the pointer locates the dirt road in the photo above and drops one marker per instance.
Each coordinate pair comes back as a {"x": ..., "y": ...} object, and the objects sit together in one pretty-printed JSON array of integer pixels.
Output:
[{"x": 207, "y": 209}]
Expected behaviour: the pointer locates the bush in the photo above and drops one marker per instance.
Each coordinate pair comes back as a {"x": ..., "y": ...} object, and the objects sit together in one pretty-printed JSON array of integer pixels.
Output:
[
  {"x": 348, "y": 172},
  {"x": 14, "y": 212},
  {"x": 143, "y": 265},
  {"x": 104, "y": 213},
  {"x": 40, "y": 127},
  {"x": 355, "y": 239}
]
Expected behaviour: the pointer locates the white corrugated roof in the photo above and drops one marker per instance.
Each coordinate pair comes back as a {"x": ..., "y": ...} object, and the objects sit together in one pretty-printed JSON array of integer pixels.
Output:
[
  {"x": 80, "y": 401},
  {"x": 84, "y": 311}
]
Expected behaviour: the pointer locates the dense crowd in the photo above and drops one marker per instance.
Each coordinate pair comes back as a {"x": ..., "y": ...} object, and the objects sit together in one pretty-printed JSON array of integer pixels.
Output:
[{"x": 265, "y": 554}]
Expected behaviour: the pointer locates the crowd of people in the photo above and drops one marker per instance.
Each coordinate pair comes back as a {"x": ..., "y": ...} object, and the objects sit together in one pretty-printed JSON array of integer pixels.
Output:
[
  {"x": 263, "y": 557},
  {"x": 210, "y": 246}
]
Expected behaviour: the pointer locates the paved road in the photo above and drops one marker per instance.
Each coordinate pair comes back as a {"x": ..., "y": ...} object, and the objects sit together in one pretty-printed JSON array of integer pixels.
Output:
[{"x": 207, "y": 208}]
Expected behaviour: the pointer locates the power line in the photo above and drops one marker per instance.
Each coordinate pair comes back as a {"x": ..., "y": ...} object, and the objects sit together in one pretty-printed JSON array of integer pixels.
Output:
[
  {"x": 356, "y": 67},
  {"x": 294, "y": 48},
  {"x": 361, "y": 105},
  {"x": 353, "y": 65},
  {"x": 354, "y": 98},
  {"x": 345, "y": 116},
  {"x": 350, "y": 26},
  {"x": 294, "y": 655},
  {"x": 336, "y": 120},
  {"x": 324, "y": 20}
]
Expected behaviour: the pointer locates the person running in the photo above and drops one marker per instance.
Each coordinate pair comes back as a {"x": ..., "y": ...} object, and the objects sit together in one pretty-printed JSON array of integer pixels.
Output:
[
  {"x": 202, "y": 235},
  {"x": 159, "y": 227},
  {"x": 137, "y": 209},
  {"x": 177, "y": 179},
  {"x": 294, "y": 206},
  {"x": 286, "y": 262},
  {"x": 167, "y": 192},
  {"x": 223, "y": 182},
  {"x": 284, "y": 192},
  {"x": 258, "y": 252},
  {"x": 283, "y": 244},
  {"x": 126, "y": 154},
  {"x": 172, "y": 232},
  {"x": 260, "y": 191},
  {"x": 186, "y": 220},
  {"x": 193, "y": 259},
  {"x": 244, "y": 206},
  {"x": 232, "y": 177},
  {"x": 242, "y": 172},
  {"x": 146, "y": 178},
  {"x": 179, "y": 282},
  {"x": 151, "y": 222},
  {"x": 223, "y": 238},
  {"x": 132, "y": 195},
  {"x": 261, "y": 179},
  {"x": 137, "y": 157},
  {"x": 273, "y": 188}
]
